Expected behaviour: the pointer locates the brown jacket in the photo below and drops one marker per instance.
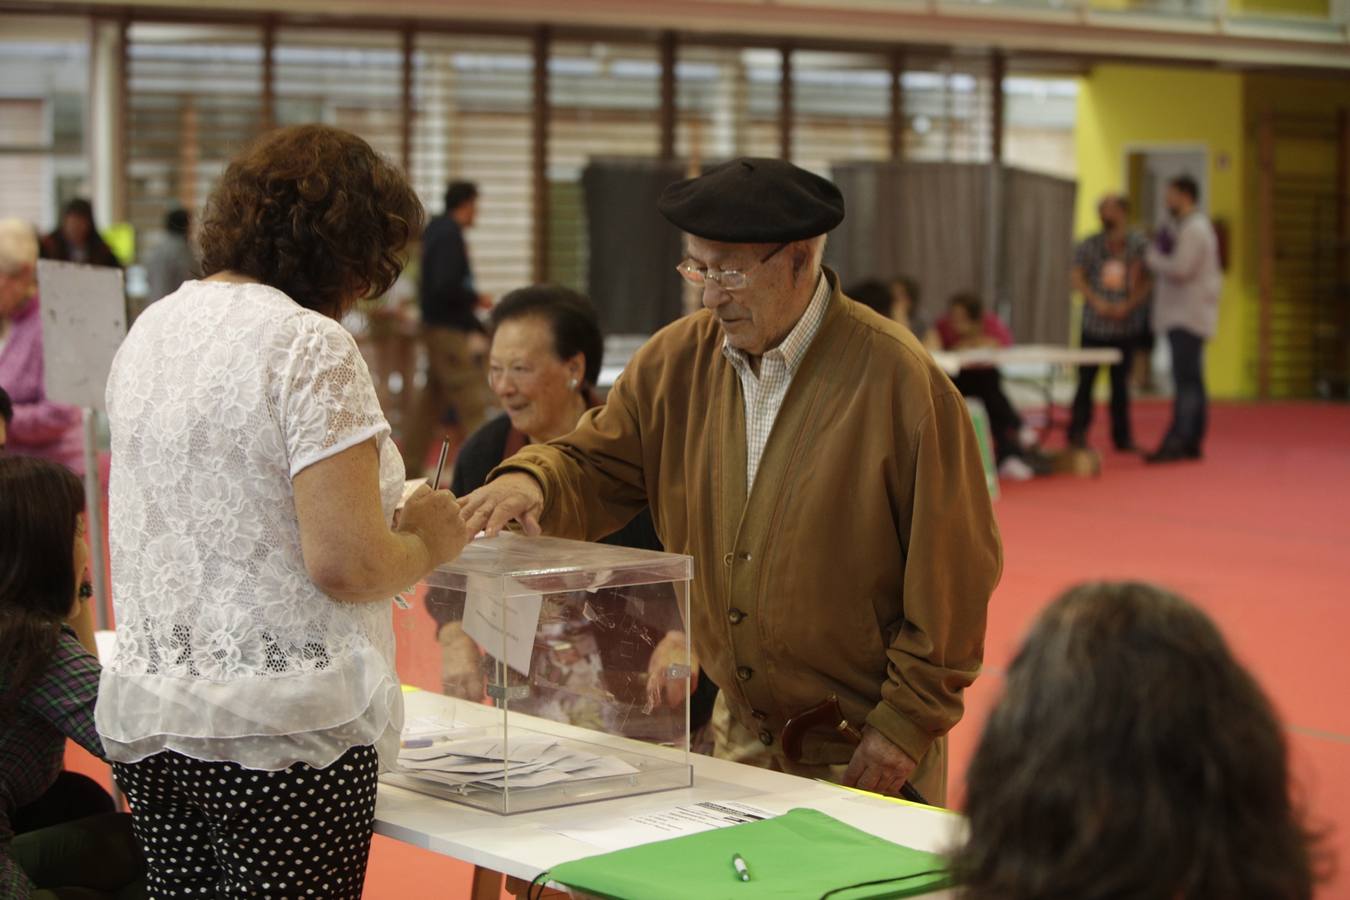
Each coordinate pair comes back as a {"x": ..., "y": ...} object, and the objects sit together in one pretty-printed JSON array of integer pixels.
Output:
[{"x": 864, "y": 558}]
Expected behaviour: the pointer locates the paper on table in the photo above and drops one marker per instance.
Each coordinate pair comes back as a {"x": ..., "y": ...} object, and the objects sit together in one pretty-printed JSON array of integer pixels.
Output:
[
  {"x": 484, "y": 615},
  {"x": 409, "y": 488},
  {"x": 421, "y": 728},
  {"x": 538, "y": 778},
  {"x": 600, "y": 767},
  {"x": 668, "y": 823},
  {"x": 523, "y": 749}
]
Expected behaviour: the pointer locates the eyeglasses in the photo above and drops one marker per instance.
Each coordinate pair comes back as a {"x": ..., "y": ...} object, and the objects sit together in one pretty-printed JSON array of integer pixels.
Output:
[{"x": 726, "y": 279}]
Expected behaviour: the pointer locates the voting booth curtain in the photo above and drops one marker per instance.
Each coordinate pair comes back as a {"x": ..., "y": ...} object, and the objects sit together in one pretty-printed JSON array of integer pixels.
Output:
[
  {"x": 633, "y": 250},
  {"x": 931, "y": 221}
]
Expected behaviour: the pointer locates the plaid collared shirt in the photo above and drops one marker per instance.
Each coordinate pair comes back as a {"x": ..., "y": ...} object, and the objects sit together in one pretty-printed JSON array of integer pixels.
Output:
[
  {"x": 58, "y": 705},
  {"x": 764, "y": 393}
]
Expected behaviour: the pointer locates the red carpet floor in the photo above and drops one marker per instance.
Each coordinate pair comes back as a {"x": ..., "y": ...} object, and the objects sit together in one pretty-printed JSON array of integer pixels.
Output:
[{"x": 1258, "y": 534}]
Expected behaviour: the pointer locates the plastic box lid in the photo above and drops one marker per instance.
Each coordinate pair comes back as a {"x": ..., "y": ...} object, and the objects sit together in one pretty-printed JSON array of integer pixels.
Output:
[{"x": 511, "y": 564}]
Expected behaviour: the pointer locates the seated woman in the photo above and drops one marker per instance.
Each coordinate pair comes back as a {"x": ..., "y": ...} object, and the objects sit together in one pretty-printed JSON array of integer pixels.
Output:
[
  {"x": 1131, "y": 756},
  {"x": 36, "y": 427},
  {"x": 543, "y": 365},
  {"x": 967, "y": 326},
  {"x": 48, "y": 686}
]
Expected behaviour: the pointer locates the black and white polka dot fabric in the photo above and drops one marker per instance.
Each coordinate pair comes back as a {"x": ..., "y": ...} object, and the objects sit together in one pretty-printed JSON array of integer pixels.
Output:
[{"x": 216, "y": 829}]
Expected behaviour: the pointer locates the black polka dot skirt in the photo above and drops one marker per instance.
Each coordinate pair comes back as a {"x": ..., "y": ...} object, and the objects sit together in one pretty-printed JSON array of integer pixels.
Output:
[{"x": 216, "y": 829}]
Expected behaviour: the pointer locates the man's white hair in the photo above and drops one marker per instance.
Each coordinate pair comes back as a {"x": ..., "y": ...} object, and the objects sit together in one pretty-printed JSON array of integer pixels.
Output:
[{"x": 18, "y": 246}]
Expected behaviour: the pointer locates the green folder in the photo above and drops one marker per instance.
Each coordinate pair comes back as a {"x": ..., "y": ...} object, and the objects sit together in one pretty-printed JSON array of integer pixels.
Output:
[{"x": 803, "y": 854}]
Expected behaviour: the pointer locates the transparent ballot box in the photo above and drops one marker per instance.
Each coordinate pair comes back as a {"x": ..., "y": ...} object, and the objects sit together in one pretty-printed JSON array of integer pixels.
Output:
[{"x": 542, "y": 672}]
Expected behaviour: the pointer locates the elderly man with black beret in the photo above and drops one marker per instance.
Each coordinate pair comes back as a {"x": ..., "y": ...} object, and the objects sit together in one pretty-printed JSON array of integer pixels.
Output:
[{"x": 821, "y": 470}]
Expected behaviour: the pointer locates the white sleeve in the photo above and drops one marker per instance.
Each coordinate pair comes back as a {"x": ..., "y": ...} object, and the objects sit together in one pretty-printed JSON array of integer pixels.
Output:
[
  {"x": 327, "y": 400},
  {"x": 1187, "y": 256}
]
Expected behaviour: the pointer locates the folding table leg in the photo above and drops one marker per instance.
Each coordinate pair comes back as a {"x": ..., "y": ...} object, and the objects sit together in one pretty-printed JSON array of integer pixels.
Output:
[{"x": 487, "y": 884}]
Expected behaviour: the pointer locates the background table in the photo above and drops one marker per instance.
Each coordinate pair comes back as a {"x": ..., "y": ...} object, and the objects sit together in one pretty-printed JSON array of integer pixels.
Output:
[{"x": 526, "y": 844}]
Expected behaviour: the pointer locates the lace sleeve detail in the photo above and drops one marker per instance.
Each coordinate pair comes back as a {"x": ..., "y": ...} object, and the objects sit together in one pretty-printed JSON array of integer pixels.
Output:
[{"x": 327, "y": 400}]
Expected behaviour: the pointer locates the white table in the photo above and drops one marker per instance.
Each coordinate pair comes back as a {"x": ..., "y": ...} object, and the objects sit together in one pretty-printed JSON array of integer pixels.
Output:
[
  {"x": 526, "y": 844},
  {"x": 1031, "y": 364},
  {"x": 619, "y": 349},
  {"x": 1042, "y": 356}
]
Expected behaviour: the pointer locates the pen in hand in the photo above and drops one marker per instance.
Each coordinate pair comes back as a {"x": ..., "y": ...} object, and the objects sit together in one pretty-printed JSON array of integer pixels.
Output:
[
  {"x": 742, "y": 870},
  {"x": 440, "y": 464}
]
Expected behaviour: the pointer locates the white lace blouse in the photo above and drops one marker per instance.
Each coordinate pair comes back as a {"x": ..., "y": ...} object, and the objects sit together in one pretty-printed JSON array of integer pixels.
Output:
[{"x": 226, "y": 650}]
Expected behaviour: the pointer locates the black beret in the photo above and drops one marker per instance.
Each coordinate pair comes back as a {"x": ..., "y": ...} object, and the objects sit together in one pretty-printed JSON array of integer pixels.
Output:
[{"x": 753, "y": 200}]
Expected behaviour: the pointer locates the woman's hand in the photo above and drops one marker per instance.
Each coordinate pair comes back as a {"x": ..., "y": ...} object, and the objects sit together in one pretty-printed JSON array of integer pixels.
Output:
[
  {"x": 434, "y": 517},
  {"x": 350, "y": 551}
]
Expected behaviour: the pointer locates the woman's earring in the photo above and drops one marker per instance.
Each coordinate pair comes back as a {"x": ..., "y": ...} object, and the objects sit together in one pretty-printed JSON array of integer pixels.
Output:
[{"x": 572, "y": 385}]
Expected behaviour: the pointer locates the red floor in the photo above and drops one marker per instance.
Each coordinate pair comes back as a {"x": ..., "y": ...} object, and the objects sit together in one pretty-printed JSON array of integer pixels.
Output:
[{"x": 1258, "y": 534}]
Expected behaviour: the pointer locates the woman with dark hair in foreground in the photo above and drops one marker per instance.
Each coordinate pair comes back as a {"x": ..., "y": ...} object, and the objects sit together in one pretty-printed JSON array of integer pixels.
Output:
[
  {"x": 1131, "y": 756},
  {"x": 48, "y": 687}
]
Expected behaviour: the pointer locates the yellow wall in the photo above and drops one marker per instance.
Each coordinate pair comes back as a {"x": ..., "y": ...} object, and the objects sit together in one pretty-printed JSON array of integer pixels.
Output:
[
  {"x": 1291, "y": 9},
  {"x": 1123, "y": 108}
]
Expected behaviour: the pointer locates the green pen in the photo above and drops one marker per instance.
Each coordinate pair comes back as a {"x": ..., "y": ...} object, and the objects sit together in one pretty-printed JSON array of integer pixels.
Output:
[{"x": 742, "y": 870}]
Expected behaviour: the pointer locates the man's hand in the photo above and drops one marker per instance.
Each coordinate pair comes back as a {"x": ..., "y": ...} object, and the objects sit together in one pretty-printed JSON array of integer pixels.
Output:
[
  {"x": 878, "y": 765},
  {"x": 461, "y": 663},
  {"x": 513, "y": 497},
  {"x": 662, "y": 688}
]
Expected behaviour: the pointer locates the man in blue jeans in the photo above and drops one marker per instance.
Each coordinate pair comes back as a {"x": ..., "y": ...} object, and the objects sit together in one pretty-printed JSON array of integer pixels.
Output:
[{"x": 1184, "y": 260}]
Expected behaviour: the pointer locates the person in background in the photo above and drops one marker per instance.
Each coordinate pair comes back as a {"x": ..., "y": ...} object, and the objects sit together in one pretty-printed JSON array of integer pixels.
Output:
[
  {"x": 49, "y": 847},
  {"x": 1184, "y": 260},
  {"x": 896, "y": 300},
  {"x": 171, "y": 261},
  {"x": 38, "y": 427},
  {"x": 743, "y": 429},
  {"x": 1108, "y": 271},
  {"x": 1131, "y": 756},
  {"x": 905, "y": 297},
  {"x": 456, "y": 389},
  {"x": 872, "y": 293},
  {"x": 6, "y": 417},
  {"x": 545, "y": 359},
  {"x": 967, "y": 326},
  {"x": 253, "y": 695},
  {"x": 77, "y": 239}
]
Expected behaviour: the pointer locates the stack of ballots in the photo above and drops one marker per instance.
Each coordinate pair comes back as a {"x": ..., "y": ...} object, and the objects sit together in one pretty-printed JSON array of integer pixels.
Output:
[{"x": 480, "y": 758}]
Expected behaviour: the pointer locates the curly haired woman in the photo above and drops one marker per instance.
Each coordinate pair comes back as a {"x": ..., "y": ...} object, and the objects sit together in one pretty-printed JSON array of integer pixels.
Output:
[{"x": 253, "y": 693}]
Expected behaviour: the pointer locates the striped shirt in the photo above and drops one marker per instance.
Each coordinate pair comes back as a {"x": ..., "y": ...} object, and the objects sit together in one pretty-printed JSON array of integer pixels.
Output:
[
  {"x": 1110, "y": 271},
  {"x": 764, "y": 393}
]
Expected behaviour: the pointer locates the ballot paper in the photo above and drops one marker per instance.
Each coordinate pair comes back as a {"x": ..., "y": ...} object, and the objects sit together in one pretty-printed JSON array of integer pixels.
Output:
[
  {"x": 504, "y": 626},
  {"x": 668, "y": 823},
  {"x": 464, "y": 757},
  {"x": 409, "y": 488},
  {"x": 420, "y": 729}
]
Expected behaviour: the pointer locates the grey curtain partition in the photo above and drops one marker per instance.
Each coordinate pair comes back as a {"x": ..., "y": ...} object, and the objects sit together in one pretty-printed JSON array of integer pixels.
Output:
[
  {"x": 1038, "y": 214},
  {"x": 930, "y": 221},
  {"x": 633, "y": 250}
]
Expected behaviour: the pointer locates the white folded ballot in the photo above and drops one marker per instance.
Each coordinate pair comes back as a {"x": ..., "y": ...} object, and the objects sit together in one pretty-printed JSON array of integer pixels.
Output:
[{"x": 469, "y": 757}]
